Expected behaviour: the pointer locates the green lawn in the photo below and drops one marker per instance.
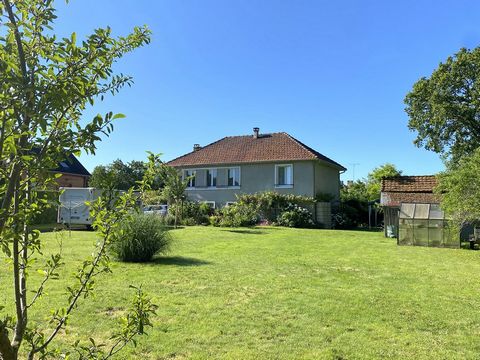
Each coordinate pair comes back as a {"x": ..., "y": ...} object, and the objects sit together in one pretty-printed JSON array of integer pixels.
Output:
[{"x": 274, "y": 293}]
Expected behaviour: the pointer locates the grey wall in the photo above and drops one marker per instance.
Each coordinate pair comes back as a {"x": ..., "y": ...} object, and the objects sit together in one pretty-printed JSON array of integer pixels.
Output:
[
  {"x": 309, "y": 177},
  {"x": 327, "y": 180}
]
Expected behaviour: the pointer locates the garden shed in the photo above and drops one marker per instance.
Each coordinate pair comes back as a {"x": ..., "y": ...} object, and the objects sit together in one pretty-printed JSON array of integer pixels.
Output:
[
  {"x": 404, "y": 189},
  {"x": 425, "y": 225}
]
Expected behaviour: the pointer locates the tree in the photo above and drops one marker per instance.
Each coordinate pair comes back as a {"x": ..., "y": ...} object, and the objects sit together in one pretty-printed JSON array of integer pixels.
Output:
[
  {"x": 356, "y": 197},
  {"x": 118, "y": 175},
  {"x": 174, "y": 188},
  {"x": 369, "y": 189},
  {"x": 444, "y": 109},
  {"x": 374, "y": 179},
  {"x": 459, "y": 189},
  {"x": 354, "y": 190},
  {"x": 45, "y": 84}
]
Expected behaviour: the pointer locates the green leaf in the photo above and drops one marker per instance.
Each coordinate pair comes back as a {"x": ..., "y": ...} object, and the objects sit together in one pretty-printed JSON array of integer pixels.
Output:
[{"x": 118, "y": 116}]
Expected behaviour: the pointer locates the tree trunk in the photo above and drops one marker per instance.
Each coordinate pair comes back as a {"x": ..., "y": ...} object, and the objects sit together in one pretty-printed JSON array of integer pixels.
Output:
[
  {"x": 176, "y": 216},
  {"x": 19, "y": 259}
]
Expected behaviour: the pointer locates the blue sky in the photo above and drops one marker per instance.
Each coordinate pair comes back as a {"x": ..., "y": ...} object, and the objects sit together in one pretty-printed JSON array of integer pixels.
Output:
[{"x": 331, "y": 73}]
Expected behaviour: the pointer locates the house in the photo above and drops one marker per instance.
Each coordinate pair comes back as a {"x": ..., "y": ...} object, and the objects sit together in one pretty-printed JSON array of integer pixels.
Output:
[
  {"x": 256, "y": 163},
  {"x": 73, "y": 173},
  {"x": 400, "y": 190}
]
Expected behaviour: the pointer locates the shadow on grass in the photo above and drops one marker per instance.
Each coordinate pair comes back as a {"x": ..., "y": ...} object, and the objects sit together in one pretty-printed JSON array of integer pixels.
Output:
[
  {"x": 363, "y": 229},
  {"x": 248, "y": 231},
  {"x": 44, "y": 228},
  {"x": 171, "y": 227},
  {"x": 179, "y": 261}
]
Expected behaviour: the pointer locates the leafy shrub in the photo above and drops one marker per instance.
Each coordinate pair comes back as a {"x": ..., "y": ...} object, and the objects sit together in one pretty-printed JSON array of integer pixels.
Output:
[
  {"x": 324, "y": 197},
  {"x": 47, "y": 213},
  {"x": 215, "y": 220},
  {"x": 268, "y": 207},
  {"x": 141, "y": 237},
  {"x": 236, "y": 215},
  {"x": 190, "y": 213},
  {"x": 295, "y": 216},
  {"x": 350, "y": 214},
  {"x": 270, "y": 203}
]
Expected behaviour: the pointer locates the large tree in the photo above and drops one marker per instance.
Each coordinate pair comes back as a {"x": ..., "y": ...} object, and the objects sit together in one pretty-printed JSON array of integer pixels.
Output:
[
  {"x": 369, "y": 189},
  {"x": 444, "y": 109},
  {"x": 45, "y": 84},
  {"x": 374, "y": 179},
  {"x": 118, "y": 175},
  {"x": 459, "y": 187}
]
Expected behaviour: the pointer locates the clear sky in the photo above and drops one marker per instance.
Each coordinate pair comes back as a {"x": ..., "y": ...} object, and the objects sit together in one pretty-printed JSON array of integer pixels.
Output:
[{"x": 331, "y": 73}]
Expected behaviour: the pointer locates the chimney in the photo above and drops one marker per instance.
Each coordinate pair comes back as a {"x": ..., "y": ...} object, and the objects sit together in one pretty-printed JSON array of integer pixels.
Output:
[
  {"x": 256, "y": 130},
  {"x": 196, "y": 147}
]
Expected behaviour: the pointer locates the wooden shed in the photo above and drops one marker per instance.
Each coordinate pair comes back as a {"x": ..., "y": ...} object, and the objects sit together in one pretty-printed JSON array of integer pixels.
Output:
[{"x": 405, "y": 189}]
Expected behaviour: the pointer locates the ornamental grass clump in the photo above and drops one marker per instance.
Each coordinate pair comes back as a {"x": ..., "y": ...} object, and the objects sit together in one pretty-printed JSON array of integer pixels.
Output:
[{"x": 141, "y": 237}]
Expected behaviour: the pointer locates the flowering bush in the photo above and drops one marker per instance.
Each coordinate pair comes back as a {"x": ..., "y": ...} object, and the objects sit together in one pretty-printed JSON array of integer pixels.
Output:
[
  {"x": 236, "y": 215},
  {"x": 270, "y": 203},
  {"x": 295, "y": 216}
]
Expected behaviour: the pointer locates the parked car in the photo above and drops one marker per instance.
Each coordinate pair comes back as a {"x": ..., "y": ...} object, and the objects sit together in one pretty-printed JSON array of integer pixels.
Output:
[{"x": 156, "y": 209}]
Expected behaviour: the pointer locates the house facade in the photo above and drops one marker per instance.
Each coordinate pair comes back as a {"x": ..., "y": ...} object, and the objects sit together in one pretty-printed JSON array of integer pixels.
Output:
[
  {"x": 73, "y": 173},
  {"x": 256, "y": 163}
]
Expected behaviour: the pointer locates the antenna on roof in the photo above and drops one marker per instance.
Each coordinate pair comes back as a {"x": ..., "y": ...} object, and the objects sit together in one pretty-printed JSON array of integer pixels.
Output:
[{"x": 353, "y": 169}]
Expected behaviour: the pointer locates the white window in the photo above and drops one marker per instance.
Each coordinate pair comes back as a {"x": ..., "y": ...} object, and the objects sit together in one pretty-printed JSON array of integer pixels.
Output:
[
  {"x": 228, "y": 203},
  {"x": 284, "y": 176},
  {"x": 190, "y": 174},
  {"x": 233, "y": 177},
  {"x": 211, "y": 204},
  {"x": 211, "y": 177}
]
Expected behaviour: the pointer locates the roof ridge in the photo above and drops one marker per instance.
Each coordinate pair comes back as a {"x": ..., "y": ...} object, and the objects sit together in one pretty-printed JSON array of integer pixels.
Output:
[
  {"x": 260, "y": 135},
  {"x": 313, "y": 152},
  {"x": 225, "y": 137},
  {"x": 203, "y": 147},
  {"x": 407, "y": 176},
  {"x": 80, "y": 165}
]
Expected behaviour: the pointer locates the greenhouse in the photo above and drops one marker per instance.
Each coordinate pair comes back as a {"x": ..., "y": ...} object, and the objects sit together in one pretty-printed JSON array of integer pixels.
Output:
[{"x": 425, "y": 225}]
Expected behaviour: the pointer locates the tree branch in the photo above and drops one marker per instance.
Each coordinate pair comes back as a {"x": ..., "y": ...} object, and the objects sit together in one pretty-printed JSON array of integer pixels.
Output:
[{"x": 73, "y": 302}]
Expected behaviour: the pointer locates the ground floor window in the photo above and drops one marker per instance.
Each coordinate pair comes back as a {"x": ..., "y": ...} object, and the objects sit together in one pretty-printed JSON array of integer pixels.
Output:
[
  {"x": 234, "y": 176},
  {"x": 284, "y": 175},
  {"x": 190, "y": 174},
  {"x": 211, "y": 177}
]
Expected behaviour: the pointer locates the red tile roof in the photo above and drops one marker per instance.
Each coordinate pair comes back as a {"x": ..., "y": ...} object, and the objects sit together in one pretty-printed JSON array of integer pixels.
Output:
[
  {"x": 409, "y": 189},
  {"x": 248, "y": 149},
  {"x": 424, "y": 183}
]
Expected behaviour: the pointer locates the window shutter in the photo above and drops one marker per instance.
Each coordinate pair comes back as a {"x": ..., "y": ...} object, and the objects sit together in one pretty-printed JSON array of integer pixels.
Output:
[{"x": 222, "y": 177}]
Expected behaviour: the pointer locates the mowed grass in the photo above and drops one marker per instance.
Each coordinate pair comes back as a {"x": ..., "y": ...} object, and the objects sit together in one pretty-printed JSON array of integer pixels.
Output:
[{"x": 275, "y": 293}]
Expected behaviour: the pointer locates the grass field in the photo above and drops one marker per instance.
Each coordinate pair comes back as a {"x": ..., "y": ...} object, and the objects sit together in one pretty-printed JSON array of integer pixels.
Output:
[{"x": 274, "y": 293}]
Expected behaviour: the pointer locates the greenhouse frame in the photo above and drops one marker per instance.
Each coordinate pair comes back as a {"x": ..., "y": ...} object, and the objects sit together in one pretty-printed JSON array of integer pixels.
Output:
[{"x": 425, "y": 225}]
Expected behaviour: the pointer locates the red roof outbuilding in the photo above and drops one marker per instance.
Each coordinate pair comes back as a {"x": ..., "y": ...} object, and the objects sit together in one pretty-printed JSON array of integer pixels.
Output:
[{"x": 409, "y": 189}]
